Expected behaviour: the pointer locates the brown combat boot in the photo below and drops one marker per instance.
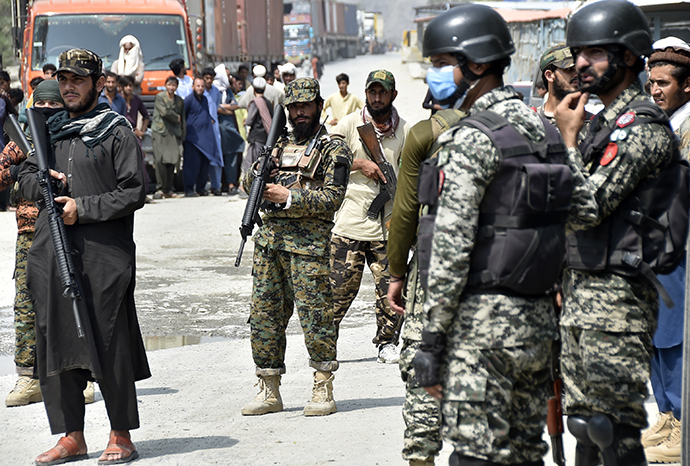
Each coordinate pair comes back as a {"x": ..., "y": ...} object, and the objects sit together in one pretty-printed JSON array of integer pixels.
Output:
[
  {"x": 268, "y": 399},
  {"x": 659, "y": 431},
  {"x": 428, "y": 462},
  {"x": 322, "y": 402}
]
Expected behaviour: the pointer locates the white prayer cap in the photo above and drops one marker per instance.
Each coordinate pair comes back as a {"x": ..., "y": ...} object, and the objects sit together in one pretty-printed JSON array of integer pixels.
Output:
[
  {"x": 671, "y": 41},
  {"x": 259, "y": 83},
  {"x": 259, "y": 71},
  {"x": 287, "y": 68}
]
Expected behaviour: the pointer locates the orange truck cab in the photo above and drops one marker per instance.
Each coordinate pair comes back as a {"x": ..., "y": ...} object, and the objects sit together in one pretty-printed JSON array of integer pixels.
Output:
[{"x": 161, "y": 26}]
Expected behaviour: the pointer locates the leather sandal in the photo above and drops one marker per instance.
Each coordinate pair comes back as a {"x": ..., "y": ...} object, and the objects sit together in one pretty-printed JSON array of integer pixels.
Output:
[
  {"x": 122, "y": 445},
  {"x": 70, "y": 445}
]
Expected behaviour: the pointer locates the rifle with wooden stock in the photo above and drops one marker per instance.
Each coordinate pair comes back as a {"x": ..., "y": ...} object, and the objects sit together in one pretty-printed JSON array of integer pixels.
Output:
[{"x": 374, "y": 149}]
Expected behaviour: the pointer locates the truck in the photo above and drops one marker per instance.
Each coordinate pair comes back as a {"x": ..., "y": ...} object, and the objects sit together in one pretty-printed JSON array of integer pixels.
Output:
[
  {"x": 372, "y": 40},
  {"x": 43, "y": 29},
  {"x": 325, "y": 28},
  {"x": 235, "y": 31}
]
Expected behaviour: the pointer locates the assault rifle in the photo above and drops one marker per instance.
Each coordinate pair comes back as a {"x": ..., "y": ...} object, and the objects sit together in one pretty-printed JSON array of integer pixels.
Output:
[
  {"x": 374, "y": 149},
  {"x": 63, "y": 255},
  {"x": 262, "y": 175}
]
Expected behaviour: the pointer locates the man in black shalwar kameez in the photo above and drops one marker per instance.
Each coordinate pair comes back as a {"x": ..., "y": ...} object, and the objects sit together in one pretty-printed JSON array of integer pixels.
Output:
[{"x": 98, "y": 158}]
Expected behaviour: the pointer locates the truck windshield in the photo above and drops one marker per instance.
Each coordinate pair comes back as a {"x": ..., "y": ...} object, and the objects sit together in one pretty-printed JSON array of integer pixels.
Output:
[
  {"x": 162, "y": 37},
  {"x": 295, "y": 31}
]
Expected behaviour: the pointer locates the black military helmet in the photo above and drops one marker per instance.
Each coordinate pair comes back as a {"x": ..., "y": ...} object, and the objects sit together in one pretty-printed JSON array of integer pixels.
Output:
[
  {"x": 476, "y": 31},
  {"x": 610, "y": 22}
]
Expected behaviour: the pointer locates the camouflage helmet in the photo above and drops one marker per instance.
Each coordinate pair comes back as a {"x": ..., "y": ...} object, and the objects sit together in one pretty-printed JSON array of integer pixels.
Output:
[{"x": 302, "y": 90}]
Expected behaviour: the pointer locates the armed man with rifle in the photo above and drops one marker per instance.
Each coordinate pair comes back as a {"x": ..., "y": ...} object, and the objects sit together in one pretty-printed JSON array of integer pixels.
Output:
[
  {"x": 497, "y": 192},
  {"x": 376, "y": 136},
  {"x": 81, "y": 267},
  {"x": 291, "y": 249}
]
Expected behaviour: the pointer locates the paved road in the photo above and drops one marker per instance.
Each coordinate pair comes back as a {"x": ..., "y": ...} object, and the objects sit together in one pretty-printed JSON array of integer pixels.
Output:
[{"x": 188, "y": 291}]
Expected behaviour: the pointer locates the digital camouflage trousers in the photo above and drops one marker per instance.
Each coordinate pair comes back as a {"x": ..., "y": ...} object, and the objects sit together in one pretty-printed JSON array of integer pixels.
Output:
[
  {"x": 24, "y": 316},
  {"x": 283, "y": 282}
]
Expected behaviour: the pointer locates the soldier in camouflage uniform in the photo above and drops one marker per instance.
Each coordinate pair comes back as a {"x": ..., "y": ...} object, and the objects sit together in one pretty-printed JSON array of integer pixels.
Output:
[
  {"x": 608, "y": 319},
  {"x": 669, "y": 78},
  {"x": 560, "y": 78},
  {"x": 421, "y": 413},
  {"x": 291, "y": 254},
  {"x": 485, "y": 352}
]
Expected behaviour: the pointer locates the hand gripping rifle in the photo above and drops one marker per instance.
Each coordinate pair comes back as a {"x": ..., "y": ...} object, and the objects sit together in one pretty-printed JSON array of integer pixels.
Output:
[
  {"x": 372, "y": 146},
  {"x": 63, "y": 255},
  {"x": 262, "y": 175}
]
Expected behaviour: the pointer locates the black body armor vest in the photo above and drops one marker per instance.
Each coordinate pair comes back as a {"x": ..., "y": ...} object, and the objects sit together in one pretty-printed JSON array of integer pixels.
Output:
[
  {"x": 520, "y": 242},
  {"x": 646, "y": 234}
]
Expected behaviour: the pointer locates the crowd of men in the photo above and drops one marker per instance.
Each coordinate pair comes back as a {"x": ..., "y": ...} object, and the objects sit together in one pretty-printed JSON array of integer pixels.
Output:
[{"x": 537, "y": 241}]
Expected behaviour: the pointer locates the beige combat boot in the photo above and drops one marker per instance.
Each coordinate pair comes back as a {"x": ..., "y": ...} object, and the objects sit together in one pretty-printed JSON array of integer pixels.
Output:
[
  {"x": 322, "y": 402},
  {"x": 659, "y": 431},
  {"x": 667, "y": 451},
  {"x": 422, "y": 462},
  {"x": 25, "y": 391},
  {"x": 89, "y": 393},
  {"x": 268, "y": 399}
]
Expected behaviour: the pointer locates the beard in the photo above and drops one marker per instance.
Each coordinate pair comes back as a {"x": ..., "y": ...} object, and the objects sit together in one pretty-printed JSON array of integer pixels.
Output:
[
  {"x": 561, "y": 89},
  {"x": 303, "y": 130},
  {"x": 379, "y": 112},
  {"x": 85, "y": 104}
]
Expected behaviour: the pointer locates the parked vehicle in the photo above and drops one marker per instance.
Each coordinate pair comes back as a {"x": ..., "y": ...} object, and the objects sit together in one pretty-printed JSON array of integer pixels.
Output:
[
  {"x": 53, "y": 26},
  {"x": 325, "y": 28},
  {"x": 371, "y": 33}
]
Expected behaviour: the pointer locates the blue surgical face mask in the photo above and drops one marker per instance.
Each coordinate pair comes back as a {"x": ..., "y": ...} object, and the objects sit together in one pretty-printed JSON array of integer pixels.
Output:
[{"x": 441, "y": 82}]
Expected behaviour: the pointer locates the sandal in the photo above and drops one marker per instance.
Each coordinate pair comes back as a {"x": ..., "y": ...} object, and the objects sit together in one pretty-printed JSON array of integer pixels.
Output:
[
  {"x": 119, "y": 444},
  {"x": 70, "y": 445}
]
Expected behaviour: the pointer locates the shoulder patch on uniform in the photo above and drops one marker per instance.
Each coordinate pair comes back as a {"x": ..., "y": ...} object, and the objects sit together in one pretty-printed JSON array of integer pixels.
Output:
[
  {"x": 625, "y": 119},
  {"x": 609, "y": 154}
]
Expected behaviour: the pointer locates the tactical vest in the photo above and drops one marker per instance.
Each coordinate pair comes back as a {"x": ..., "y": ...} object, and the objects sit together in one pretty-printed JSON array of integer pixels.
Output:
[
  {"x": 297, "y": 168},
  {"x": 646, "y": 234},
  {"x": 520, "y": 242}
]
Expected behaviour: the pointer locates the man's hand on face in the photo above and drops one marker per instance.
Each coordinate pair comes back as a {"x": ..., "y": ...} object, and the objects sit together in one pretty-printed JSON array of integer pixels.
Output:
[{"x": 570, "y": 116}]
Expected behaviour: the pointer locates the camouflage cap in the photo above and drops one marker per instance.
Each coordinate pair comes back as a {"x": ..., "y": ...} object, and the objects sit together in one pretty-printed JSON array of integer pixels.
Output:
[
  {"x": 557, "y": 55},
  {"x": 302, "y": 90},
  {"x": 383, "y": 77},
  {"x": 81, "y": 62}
]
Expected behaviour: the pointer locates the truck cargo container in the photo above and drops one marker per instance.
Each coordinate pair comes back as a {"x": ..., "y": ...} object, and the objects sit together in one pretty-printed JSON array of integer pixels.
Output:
[
  {"x": 237, "y": 30},
  {"x": 320, "y": 27}
]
